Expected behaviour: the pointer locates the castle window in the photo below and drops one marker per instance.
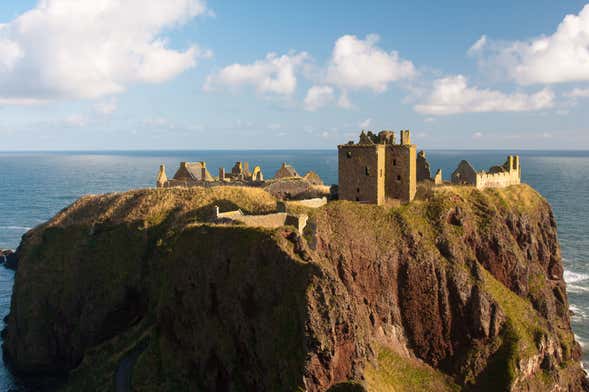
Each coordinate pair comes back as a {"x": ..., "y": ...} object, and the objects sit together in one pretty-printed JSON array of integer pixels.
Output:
[
  {"x": 349, "y": 154},
  {"x": 381, "y": 172},
  {"x": 394, "y": 162},
  {"x": 398, "y": 178},
  {"x": 367, "y": 171},
  {"x": 357, "y": 190}
]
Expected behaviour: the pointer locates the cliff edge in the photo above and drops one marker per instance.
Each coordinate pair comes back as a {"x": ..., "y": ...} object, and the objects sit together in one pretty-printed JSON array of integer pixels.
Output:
[{"x": 461, "y": 290}]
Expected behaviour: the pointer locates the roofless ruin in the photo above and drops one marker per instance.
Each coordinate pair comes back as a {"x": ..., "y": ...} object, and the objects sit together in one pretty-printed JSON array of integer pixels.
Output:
[{"x": 375, "y": 170}]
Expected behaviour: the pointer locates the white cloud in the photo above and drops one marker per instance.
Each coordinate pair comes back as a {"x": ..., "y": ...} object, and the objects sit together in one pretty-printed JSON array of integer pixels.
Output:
[
  {"x": 365, "y": 124},
  {"x": 560, "y": 57},
  {"x": 318, "y": 96},
  {"x": 76, "y": 120},
  {"x": 360, "y": 64},
  {"x": 106, "y": 107},
  {"x": 344, "y": 101},
  {"x": 88, "y": 49},
  {"x": 274, "y": 74},
  {"x": 452, "y": 95},
  {"x": 479, "y": 45},
  {"x": 477, "y": 135},
  {"x": 578, "y": 93},
  {"x": 22, "y": 101}
]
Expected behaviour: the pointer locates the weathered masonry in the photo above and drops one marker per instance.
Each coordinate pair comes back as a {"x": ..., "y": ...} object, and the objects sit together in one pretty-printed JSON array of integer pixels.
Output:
[
  {"x": 377, "y": 169},
  {"x": 497, "y": 177}
]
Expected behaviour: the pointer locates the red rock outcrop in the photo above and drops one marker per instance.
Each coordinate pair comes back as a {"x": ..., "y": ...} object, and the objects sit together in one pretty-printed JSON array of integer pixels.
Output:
[{"x": 463, "y": 290}]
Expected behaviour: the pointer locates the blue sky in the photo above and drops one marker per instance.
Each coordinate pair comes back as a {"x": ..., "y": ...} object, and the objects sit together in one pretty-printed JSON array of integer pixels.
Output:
[{"x": 185, "y": 74}]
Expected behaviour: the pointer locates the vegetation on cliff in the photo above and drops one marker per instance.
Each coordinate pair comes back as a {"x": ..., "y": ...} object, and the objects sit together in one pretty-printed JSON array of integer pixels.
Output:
[{"x": 461, "y": 290}]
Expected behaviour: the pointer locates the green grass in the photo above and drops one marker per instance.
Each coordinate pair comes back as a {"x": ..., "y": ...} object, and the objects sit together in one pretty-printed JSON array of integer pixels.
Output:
[{"x": 394, "y": 373}]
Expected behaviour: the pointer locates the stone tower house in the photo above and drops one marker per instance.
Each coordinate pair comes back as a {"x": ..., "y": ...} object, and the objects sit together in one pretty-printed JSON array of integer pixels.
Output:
[{"x": 377, "y": 169}]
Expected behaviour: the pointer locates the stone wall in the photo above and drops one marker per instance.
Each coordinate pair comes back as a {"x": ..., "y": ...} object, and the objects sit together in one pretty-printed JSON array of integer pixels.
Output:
[
  {"x": 438, "y": 179},
  {"x": 270, "y": 221},
  {"x": 497, "y": 180},
  {"x": 423, "y": 167},
  {"x": 464, "y": 174},
  {"x": 401, "y": 172},
  {"x": 497, "y": 177},
  {"x": 361, "y": 172}
]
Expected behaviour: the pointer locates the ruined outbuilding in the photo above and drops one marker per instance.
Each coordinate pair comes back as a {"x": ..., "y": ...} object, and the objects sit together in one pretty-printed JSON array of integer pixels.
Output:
[
  {"x": 423, "y": 167},
  {"x": 188, "y": 174},
  {"x": 241, "y": 173},
  {"x": 496, "y": 177},
  {"x": 313, "y": 178},
  {"x": 197, "y": 174},
  {"x": 286, "y": 171}
]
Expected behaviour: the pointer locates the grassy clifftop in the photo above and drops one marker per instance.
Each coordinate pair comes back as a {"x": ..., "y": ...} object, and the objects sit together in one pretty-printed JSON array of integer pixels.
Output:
[{"x": 462, "y": 289}]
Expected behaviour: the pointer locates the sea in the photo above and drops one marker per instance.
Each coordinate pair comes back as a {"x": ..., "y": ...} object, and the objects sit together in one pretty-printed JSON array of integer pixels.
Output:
[{"x": 36, "y": 185}]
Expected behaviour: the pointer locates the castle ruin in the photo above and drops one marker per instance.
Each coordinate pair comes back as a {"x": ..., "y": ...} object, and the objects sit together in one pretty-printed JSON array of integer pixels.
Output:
[
  {"x": 197, "y": 174},
  {"x": 377, "y": 169}
]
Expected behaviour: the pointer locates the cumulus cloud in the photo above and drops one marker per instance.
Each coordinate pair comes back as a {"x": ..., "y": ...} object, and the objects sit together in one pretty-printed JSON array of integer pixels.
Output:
[
  {"x": 451, "y": 95},
  {"x": 557, "y": 58},
  {"x": 318, "y": 96},
  {"x": 273, "y": 74},
  {"x": 106, "y": 107},
  {"x": 578, "y": 93},
  {"x": 88, "y": 49},
  {"x": 360, "y": 64}
]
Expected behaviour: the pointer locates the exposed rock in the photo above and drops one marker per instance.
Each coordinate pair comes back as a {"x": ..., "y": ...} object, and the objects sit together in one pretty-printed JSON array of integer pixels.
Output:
[
  {"x": 9, "y": 259},
  {"x": 366, "y": 299}
]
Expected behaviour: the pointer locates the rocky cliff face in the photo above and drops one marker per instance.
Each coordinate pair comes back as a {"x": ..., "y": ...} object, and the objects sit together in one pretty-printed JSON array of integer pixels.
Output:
[{"x": 462, "y": 290}]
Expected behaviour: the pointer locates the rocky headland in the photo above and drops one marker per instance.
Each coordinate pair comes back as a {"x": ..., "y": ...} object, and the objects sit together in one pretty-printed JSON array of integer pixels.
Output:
[{"x": 461, "y": 289}]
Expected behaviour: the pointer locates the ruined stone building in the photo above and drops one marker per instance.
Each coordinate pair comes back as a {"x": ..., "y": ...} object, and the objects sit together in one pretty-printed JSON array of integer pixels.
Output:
[
  {"x": 497, "y": 177},
  {"x": 196, "y": 173},
  {"x": 423, "y": 167},
  {"x": 313, "y": 178},
  {"x": 241, "y": 173},
  {"x": 285, "y": 171},
  {"x": 377, "y": 169},
  {"x": 424, "y": 170},
  {"x": 188, "y": 174}
]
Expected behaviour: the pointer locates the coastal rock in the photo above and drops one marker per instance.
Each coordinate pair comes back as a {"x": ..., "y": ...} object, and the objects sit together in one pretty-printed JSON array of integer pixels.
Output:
[
  {"x": 9, "y": 259},
  {"x": 462, "y": 291}
]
